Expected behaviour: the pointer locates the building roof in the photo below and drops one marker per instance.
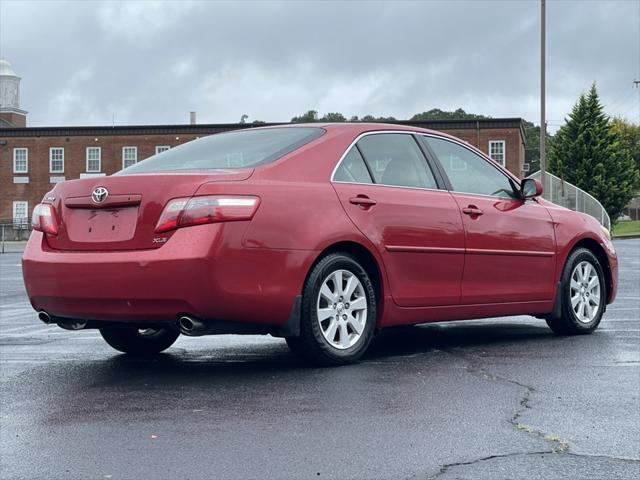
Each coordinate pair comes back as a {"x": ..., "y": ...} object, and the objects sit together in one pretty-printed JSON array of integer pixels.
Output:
[{"x": 206, "y": 129}]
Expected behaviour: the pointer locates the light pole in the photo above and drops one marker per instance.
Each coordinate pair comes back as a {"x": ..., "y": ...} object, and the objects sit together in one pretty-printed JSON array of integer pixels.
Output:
[{"x": 543, "y": 121}]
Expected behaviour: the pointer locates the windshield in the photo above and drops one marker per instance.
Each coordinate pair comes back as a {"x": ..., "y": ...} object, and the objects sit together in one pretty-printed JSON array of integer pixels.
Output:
[{"x": 240, "y": 149}]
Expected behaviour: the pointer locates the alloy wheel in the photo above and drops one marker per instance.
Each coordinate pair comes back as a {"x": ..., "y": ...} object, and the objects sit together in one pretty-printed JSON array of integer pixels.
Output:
[
  {"x": 342, "y": 309},
  {"x": 585, "y": 292}
]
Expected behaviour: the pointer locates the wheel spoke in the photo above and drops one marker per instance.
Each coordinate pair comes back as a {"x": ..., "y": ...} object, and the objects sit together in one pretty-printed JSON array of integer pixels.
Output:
[
  {"x": 583, "y": 309},
  {"x": 593, "y": 282},
  {"x": 587, "y": 271},
  {"x": 359, "y": 303},
  {"x": 344, "y": 336},
  {"x": 595, "y": 299},
  {"x": 352, "y": 284},
  {"x": 324, "y": 313},
  {"x": 337, "y": 280},
  {"x": 327, "y": 293},
  {"x": 330, "y": 332},
  {"x": 355, "y": 324},
  {"x": 575, "y": 285},
  {"x": 574, "y": 301}
]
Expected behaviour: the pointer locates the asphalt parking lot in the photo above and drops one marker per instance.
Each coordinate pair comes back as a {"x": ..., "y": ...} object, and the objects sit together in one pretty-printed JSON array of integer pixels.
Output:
[{"x": 487, "y": 399}]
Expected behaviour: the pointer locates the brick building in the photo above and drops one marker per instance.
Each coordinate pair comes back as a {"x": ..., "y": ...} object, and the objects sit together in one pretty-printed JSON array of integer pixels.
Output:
[{"x": 33, "y": 159}]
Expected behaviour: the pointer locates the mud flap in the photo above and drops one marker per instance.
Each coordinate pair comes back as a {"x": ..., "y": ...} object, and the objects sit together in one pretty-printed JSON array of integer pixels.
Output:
[{"x": 292, "y": 327}]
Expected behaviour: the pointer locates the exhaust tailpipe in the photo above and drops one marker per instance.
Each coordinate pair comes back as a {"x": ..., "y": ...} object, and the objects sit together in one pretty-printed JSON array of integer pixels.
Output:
[
  {"x": 44, "y": 317},
  {"x": 191, "y": 326}
]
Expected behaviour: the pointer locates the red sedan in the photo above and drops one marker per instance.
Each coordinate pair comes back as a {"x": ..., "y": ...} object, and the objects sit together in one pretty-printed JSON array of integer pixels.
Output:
[{"x": 321, "y": 234}]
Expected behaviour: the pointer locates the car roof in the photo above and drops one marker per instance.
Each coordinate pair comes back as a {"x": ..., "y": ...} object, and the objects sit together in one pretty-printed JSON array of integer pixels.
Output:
[{"x": 358, "y": 128}]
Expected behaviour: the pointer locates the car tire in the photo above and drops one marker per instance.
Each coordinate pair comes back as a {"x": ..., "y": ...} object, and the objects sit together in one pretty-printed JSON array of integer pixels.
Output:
[
  {"x": 139, "y": 342},
  {"x": 583, "y": 295},
  {"x": 337, "y": 321}
]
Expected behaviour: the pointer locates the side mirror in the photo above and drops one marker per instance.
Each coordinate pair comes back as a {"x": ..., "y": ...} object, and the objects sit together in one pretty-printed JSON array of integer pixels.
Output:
[{"x": 530, "y": 188}]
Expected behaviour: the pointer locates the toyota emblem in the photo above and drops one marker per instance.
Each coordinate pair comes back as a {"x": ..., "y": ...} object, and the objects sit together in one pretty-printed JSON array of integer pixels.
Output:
[{"x": 99, "y": 195}]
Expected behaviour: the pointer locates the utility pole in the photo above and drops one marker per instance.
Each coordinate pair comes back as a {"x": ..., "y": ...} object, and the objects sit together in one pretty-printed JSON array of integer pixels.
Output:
[
  {"x": 636, "y": 84},
  {"x": 543, "y": 120}
]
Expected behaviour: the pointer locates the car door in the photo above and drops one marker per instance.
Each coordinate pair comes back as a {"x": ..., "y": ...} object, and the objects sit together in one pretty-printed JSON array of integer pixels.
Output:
[
  {"x": 510, "y": 243},
  {"x": 391, "y": 194}
]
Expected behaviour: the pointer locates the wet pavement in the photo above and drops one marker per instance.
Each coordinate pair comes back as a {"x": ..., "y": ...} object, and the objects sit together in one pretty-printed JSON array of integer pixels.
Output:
[{"x": 487, "y": 399}]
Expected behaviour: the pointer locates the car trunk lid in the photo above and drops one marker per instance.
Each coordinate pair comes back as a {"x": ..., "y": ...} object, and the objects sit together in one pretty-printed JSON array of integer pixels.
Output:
[{"x": 120, "y": 212}]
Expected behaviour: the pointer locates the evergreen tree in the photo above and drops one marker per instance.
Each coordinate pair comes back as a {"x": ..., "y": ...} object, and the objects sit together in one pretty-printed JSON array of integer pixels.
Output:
[{"x": 587, "y": 153}]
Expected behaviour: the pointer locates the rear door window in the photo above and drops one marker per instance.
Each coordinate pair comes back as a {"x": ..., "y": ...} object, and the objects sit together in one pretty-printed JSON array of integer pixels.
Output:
[
  {"x": 352, "y": 169},
  {"x": 395, "y": 159}
]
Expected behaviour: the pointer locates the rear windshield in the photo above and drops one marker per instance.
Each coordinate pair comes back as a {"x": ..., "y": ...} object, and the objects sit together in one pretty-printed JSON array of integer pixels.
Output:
[{"x": 240, "y": 149}]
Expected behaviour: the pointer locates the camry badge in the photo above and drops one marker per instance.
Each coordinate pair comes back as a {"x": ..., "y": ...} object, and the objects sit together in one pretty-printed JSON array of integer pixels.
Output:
[{"x": 99, "y": 195}]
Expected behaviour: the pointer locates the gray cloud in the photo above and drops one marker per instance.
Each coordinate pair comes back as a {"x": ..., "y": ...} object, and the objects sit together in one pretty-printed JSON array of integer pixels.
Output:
[{"x": 153, "y": 62}]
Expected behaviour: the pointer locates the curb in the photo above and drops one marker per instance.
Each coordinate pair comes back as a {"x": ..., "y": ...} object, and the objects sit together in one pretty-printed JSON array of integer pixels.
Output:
[{"x": 625, "y": 237}]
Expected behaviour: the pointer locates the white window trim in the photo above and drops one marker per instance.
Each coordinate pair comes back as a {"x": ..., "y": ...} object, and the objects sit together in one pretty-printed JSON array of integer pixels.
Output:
[
  {"x": 26, "y": 217},
  {"x": 504, "y": 151},
  {"x": 123, "y": 157},
  {"x": 166, "y": 147},
  {"x": 99, "y": 160},
  {"x": 51, "y": 170},
  {"x": 26, "y": 157}
]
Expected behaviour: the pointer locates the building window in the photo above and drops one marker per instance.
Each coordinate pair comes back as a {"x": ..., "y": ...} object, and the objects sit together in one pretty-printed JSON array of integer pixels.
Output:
[
  {"x": 129, "y": 156},
  {"x": 56, "y": 160},
  {"x": 161, "y": 148},
  {"x": 94, "y": 155},
  {"x": 20, "y": 214},
  {"x": 20, "y": 160},
  {"x": 496, "y": 151}
]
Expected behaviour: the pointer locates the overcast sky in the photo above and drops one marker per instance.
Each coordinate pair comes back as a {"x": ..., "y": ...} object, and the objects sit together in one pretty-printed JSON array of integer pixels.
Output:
[{"x": 82, "y": 62}]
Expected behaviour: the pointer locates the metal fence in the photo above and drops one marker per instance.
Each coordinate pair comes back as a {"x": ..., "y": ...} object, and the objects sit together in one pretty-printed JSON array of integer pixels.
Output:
[
  {"x": 14, "y": 230},
  {"x": 631, "y": 213},
  {"x": 569, "y": 196}
]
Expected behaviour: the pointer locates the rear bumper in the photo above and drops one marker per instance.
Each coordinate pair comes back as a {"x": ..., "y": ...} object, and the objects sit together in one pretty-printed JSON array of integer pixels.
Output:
[{"x": 202, "y": 271}]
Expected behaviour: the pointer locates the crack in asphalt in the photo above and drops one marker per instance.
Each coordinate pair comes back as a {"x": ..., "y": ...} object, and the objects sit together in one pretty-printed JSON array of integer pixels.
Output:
[
  {"x": 448, "y": 466},
  {"x": 474, "y": 367},
  {"x": 445, "y": 468},
  {"x": 558, "y": 446}
]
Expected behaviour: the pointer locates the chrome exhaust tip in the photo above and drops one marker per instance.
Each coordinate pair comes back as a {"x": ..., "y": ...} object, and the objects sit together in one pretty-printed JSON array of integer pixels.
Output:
[
  {"x": 186, "y": 323},
  {"x": 191, "y": 326},
  {"x": 44, "y": 317}
]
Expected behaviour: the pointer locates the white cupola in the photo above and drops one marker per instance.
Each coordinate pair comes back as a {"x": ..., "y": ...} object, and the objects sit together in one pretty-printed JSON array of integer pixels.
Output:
[{"x": 10, "y": 96}]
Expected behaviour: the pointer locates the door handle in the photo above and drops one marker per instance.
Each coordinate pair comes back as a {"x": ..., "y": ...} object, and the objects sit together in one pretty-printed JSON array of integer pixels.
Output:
[
  {"x": 362, "y": 201},
  {"x": 472, "y": 210}
]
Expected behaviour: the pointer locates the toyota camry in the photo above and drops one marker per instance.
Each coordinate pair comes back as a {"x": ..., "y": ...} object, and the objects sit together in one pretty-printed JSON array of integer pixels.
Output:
[{"x": 321, "y": 234}]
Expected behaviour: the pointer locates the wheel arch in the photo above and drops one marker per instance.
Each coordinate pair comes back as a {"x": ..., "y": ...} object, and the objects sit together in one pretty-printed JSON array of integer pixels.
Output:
[
  {"x": 594, "y": 247},
  {"x": 366, "y": 258}
]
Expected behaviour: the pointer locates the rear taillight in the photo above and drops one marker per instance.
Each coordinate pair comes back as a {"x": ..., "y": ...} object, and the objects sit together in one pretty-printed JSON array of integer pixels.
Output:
[
  {"x": 44, "y": 219},
  {"x": 183, "y": 212}
]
